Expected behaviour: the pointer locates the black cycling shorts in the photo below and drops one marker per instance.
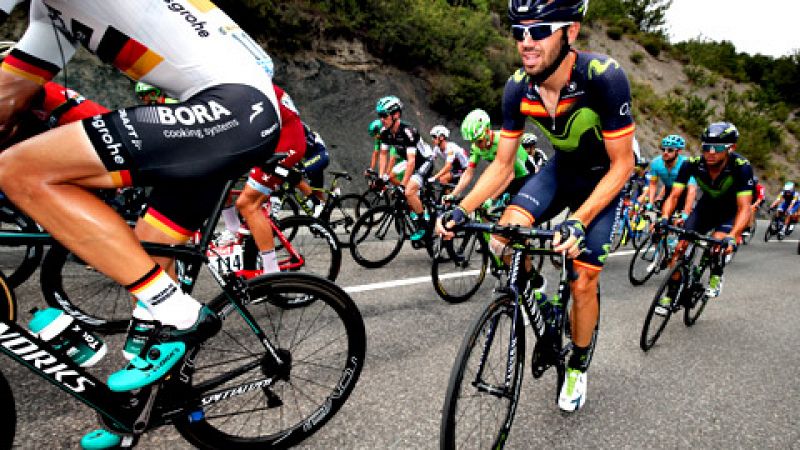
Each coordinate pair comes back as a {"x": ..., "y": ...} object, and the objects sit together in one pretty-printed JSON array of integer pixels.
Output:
[
  {"x": 708, "y": 216},
  {"x": 187, "y": 151}
]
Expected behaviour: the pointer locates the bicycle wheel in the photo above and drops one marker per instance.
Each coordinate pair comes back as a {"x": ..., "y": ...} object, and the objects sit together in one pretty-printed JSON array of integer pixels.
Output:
[
  {"x": 459, "y": 277},
  {"x": 324, "y": 344},
  {"x": 646, "y": 261},
  {"x": 377, "y": 237},
  {"x": 18, "y": 262},
  {"x": 8, "y": 408},
  {"x": 619, "y": 234},
  {"x": 751, "y": 231},
  {"x": 93, "y": 299},
  {"x": 658, "y": 315},
  {"x": 344, "y": 215},
  {"x": 640, "y": 232},
  {"x": 282, "y": 205},
  {"x": 373, "y": 199},
  {"x": 8, "y": 301},
  {"x": 695, "y": 298},
  {"x": 314, "y": 247},
  {"x": 485, "y": 381}
]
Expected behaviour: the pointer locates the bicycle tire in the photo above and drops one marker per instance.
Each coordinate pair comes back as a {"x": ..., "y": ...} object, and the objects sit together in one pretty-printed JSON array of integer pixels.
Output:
[
  {"x": 343, "y": 216},
  {"x": 373, "y": 228},
  {"x": 467, "y": 252},
  {"x": 456, "y": 431},
  {"x": 640, "y": 236},
  {"x": 617, "y": 236},
  {"x": 96, "y": 301},
  {"x": 8, "y": 299},
  {"x": 325, "y": 343},
  {"x": 650, "y": 252},
  {"x": 316, "y": 243},
  {"x": 657, "y": 321},
  {"x": 18, "y": 262},
  {"x": 8, "y": 409},
  {"x": 373, "y": 199}
]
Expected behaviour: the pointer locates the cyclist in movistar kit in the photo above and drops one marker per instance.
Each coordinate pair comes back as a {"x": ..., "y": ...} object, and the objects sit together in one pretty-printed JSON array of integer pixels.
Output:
[
  {"x": 375, "y": 129},
  {"x": 581, "y": 102},
  {"x": 416, "y": 157},
  {"x": 536, "y": 156},
  {"x": 225, "y": 123},
  {"x": 455, "y": 157},
  {"x": 788, "y": 207},
  {"x": 485, "y": 141},
  {"x": 726, "y": 179},
  {"x": 665, "y": 168}
]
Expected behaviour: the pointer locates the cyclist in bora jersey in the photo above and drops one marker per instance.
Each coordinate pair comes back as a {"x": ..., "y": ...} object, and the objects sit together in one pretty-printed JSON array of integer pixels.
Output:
[
  {"x": 726, "y": 180},
  {"x": 581, "y": 102},
  {"x": 225, "y": 123},
  {"x": 416, "y": 156},
  {"x": 455, "y": 157}
]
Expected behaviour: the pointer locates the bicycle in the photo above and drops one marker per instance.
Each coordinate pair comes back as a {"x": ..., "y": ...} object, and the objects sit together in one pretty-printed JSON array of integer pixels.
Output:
[
  {"x": 386, "y": 227},
  {"x": 688, "y": 291},
  {"x": 339, "y": 211},
  {"x": 490, "y": 362},
  {"x": 651, "y": 257},
  {"x": 632, "y": 225},
  {"x": 290, "y": 352},
  {"x": 776, "y": 226},
  {"x": 100, "y": 304},
  {"x": 377, "y": 192}
]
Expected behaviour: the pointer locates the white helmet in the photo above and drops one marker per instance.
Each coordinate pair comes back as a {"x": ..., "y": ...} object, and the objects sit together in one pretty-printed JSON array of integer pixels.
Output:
[{"x": 440, "y": 130}]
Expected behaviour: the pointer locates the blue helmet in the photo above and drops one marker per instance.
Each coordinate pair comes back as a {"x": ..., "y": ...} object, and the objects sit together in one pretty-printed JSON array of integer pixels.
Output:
[{"x": 673, "y": 141}]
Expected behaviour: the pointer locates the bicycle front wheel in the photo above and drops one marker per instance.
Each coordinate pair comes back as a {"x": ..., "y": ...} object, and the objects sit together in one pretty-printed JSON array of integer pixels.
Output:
[
  {"x": 645, "y": 261},
  {"x": 8, "y": 408},
  {"x": 312, "y": 248},
  {"x": 344, "y": 215},
  {"x": 377, "y": 237},
  {"x": 322, "y": 346},
  {"x": 458, "y": 277},
  {"x": 18, "y": 262},
  {"x": 658, "y": 314},
  {"x": 485, "y": 382}
]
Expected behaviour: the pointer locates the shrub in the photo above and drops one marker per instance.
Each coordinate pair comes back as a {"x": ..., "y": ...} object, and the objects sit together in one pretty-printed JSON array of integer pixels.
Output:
[
  {"x": 637, "y": 57},
  {"x": 614, "y": 32}
]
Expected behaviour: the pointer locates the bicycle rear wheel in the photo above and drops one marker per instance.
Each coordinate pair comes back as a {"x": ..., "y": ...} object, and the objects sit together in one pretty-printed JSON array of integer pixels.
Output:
[
  {"x": 377, "y": 237},
  {"x": 646, "y": 261},
  {"x": 18, "y": 262},
  {"x": 316, "y": 244},
  {"x": 323, "y": 343},
  {"x": 658, "y": 315},
  {"x": 93, "y": 299},
  {"x": 641, "y": 231},
  {"x": 458, "y": 277},
  {"x": 480, "y": 402},
  {"x": 344, "y": 215}
]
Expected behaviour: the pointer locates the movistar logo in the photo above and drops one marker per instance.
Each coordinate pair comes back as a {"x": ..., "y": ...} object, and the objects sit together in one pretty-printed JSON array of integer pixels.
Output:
[
  {"x": 580, "y": 122},
  {"x": 715, "y": 193},
  {"x": 519, "y": 75},
  {"x": 598, "y": 68}
]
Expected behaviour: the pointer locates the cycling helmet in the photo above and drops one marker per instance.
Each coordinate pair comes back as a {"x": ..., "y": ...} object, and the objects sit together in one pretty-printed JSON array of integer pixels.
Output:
[
  {"x": 143, "y": 89},
  {"x": 789, "y": 186},
  {"x": 375, "y": 127},
  {"x": 268, "y": 66},
  {"x": 529, "y": 140},
  {"x": 547, "y": 10},
  {"x": 642, "y": 162},
  {"x": 388, "y": 105},
  {"x": 475, "y": 125},
  {"x": 673, "y": 141},
  {"x": 440, "y": 130},
  {"x": 720, "y": 133}
]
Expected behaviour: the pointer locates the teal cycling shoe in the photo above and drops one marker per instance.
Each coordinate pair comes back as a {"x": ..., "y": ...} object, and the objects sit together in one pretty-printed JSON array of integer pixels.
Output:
[
  {"x": 100, "y": 439},
  {"x": 164, "y": 350}
]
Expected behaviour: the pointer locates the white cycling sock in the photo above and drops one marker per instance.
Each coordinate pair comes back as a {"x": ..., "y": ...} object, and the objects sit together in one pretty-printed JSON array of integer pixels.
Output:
[
  {"x": 165, "y": 299},
  {"x": 141, "y": 312},
  {"x": 269, "y": 261},
  {"x": 231, "y": 218}
]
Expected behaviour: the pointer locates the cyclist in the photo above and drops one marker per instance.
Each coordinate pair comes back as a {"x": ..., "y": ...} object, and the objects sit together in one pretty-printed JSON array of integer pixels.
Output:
[
  {"x": 759, "y": 195},
  {"x": 455, "y": 157},
  {"x": 226, "y": 122},
  {"x": 559, "y": 88},
  {"x": 416, "y": 157},
  {"x": 665, "y": 168},
  {"x": 788, "y": 204},
  {"x": 726, "y": 180},
  {"x": 485, "y": 143},
  {"x": 313, "y": 166},
  {"x": 536, "y": 156},
  {"x": 374, "y": 129}
]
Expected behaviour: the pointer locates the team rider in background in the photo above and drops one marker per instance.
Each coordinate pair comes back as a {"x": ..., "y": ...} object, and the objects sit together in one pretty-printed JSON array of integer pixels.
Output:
[
  {"x": 455, "y": 157},
  {"x": 666, "y": 168},
  {"x": 406, "y": 145},
  {"x": 788, "y": 206},
  {"x": 536, "y": 156},
  {"x": 226, "y": 122},
  {"x": 581, "y": 102}
]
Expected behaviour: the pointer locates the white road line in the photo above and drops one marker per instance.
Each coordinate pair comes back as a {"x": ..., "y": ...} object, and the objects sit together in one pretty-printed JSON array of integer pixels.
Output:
[{"x": 421, "y": 280}]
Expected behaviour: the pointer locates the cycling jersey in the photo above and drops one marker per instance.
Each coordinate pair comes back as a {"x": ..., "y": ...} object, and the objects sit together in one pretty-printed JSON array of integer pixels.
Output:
[
  {"x": 788, "y": 199},
  {"x": 659, "y": 171},
  {"x": 455, "y": 155},
  {"x": 60, "y": 105},
  {"x": 759, "y": 194},
  {"x": 476, "y": 154},
  {"x": 405, "y": 141},
  {"x": 594, "y": 106}
]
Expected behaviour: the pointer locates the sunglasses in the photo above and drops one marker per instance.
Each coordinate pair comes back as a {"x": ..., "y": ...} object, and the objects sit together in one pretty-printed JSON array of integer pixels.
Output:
[
  {"x": 669, "y": 149},
  {"x": 383, "y": 115},
  {"x": 716, "y": 148},
  {"x": 536, "y": 31}
]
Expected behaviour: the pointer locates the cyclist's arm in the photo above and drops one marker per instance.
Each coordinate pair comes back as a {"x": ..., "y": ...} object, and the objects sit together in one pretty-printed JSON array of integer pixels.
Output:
[
  {"x": 383, "y": 168},
  {"x": 691, "y": 195},
  {"x": 465, "y": 180},
  {"x": 620, "y": 153},
  {"x": 411, "y": 157},
  {"x": 743, "y": 212},
  {"x": 445, "y": 169},
  {"x": 374, "y": 159},
  {"x": 497, "y": 172},
  {"x": 651, "y": 194}
]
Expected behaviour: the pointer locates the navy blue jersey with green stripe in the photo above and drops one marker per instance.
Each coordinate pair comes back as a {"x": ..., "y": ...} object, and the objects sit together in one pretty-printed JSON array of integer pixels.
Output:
[
  {"x": 594, "y": 106},
  {"x": 735, "y": 179}
]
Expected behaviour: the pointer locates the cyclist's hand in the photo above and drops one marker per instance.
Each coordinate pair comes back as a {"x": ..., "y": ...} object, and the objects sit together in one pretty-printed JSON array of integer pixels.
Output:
[
  {"x": 449, "y": 220},
  {"x": 431, "y": 179},
  {"x": 729, "y": 244},
  {"x": 571, "y": 238}
]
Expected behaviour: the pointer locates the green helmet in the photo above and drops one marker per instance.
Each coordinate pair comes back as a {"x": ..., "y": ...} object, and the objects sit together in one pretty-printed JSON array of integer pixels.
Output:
[
  {"x": 143, "y": 89},
  {"x": 375, "y": 127},
  {"x": 475, "y": 125},
  {"x": 388, "y": 105}
]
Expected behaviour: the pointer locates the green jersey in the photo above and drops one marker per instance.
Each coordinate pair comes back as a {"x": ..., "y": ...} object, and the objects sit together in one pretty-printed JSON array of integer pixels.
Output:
[{"x": 476, "y": 154}]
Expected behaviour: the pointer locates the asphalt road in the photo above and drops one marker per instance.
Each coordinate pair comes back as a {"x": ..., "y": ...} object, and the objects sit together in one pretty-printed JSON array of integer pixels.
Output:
[{"x": 730, "y": 381}]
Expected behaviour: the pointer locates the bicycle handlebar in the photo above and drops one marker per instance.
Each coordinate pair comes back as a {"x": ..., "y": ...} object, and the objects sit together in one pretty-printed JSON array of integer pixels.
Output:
[
  {"x": 510, "y": 231},
  {"x": 691, "y": 234}
]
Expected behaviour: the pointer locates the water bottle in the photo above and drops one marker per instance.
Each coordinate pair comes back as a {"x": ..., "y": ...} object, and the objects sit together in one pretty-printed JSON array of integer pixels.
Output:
[
  {"x": 64, "y": 334},
  {"x": 672, "y": 242}
]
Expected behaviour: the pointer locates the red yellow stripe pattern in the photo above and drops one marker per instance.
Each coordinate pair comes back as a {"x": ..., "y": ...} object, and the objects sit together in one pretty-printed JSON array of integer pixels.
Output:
[
  {"x": 121, "y": 178},
  {"x": 622, "y": 132},
  {"x": 522, "y": 211},
  {"x": 537, "y": 109},
  {"x": 168, "y": 227},
  {"x": 16, "y": 64},
  {"x": 511, "y": 134},
  {"x": 587, "y": 265},
  {"x": 147, "y": 281}
]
